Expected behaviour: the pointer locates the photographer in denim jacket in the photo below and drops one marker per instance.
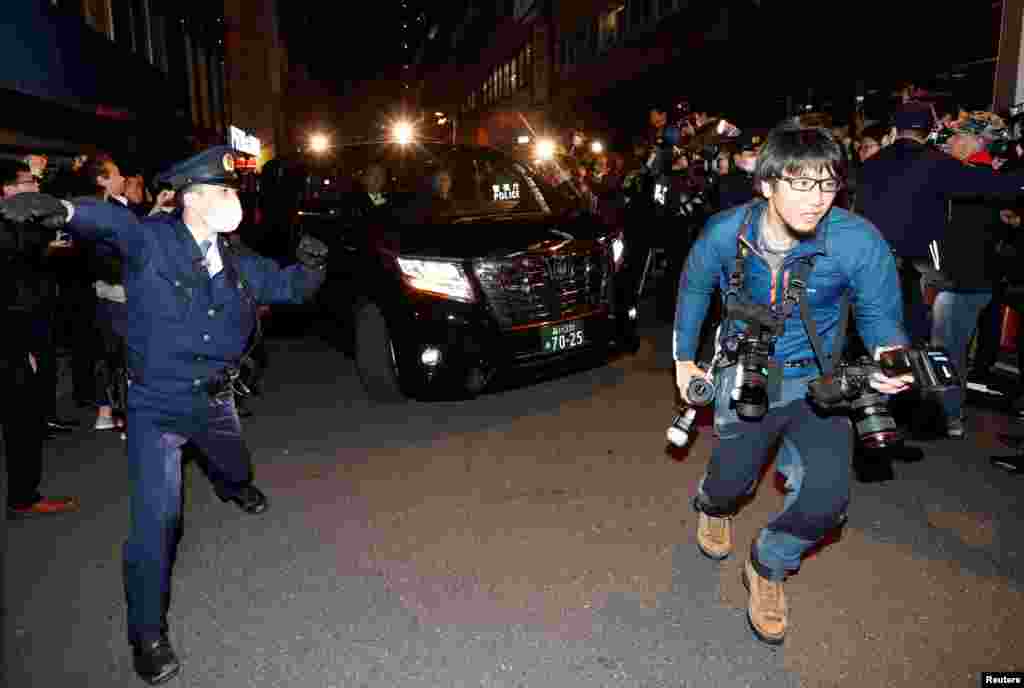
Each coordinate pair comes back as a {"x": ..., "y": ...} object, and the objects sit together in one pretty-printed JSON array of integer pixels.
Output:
[{"x": 799, "y": 172}]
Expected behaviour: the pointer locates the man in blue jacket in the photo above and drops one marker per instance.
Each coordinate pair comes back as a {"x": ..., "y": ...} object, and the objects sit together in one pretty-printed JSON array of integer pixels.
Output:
[
  {"x": 798, "y": 173},
  {"x": 192, "y": 303}
]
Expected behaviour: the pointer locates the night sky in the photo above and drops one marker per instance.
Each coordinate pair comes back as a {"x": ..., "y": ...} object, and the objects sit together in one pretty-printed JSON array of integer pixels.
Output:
[{"x": 361, "y": 42}]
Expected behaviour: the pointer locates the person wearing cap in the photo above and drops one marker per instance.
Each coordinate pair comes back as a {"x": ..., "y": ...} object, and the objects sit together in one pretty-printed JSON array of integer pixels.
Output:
[
  {"x": 737, "y": 187},
  {"x": 905, "y": 191},
  {"x": 192, "y": 302}
]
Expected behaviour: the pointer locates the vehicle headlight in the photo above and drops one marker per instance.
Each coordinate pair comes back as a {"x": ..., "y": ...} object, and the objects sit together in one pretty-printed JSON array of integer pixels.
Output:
[
  {"x": 439, "y": 277},
  {"x": 545, "y": 149}
]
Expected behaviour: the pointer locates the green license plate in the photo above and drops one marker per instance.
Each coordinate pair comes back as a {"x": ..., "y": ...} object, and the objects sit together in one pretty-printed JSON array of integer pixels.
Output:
[{"x": 562, "y": 337}]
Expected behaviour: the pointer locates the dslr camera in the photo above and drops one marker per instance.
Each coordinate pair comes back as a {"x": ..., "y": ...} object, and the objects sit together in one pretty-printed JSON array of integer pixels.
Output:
[
  {"x": 848, "y": 389},
  {"x": 752, "y": 353}
]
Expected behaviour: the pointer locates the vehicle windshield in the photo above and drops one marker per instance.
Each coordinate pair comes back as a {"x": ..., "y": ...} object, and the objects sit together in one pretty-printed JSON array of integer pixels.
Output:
[{"x": 429, "y": 183}]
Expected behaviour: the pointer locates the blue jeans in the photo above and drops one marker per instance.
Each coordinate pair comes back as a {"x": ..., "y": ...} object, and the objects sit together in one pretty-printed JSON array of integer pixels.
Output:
[
  {"x": 954, "y": 319},
  {"x": 814, "y": 456},
  {"x": 154, "y": 462}
]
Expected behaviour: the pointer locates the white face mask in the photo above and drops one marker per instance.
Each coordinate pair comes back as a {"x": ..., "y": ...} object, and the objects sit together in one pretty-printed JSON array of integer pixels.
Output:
[{"x": 225, "y": 216}]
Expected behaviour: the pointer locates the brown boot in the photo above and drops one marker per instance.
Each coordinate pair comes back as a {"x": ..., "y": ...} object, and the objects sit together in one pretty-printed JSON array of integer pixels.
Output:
[
  {"x": 766, "y": 609},
  {"x": 714, "y": 536}
]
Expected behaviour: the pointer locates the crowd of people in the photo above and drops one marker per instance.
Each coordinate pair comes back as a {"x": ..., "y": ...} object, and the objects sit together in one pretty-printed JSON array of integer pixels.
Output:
[
  {"x": 68, "y": 294},
  {"x": 913, "y": 223},
  {"x": 931, "y": 173}
]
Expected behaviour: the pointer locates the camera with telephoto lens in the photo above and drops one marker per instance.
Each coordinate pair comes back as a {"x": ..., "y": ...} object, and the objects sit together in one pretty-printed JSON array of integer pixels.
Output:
[
  {"x": 752, "y": 351},
  {"x": 849, "y": 389}
]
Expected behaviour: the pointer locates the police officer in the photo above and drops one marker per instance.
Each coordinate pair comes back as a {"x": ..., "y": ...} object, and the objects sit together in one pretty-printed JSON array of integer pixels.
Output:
[
  {"x": 192, "y": 303},
  {"x": 737, "y": 187}
]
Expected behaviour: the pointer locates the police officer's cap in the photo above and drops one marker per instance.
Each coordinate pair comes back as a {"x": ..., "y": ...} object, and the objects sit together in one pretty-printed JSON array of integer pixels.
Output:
[{"x": 213, "y": 166}]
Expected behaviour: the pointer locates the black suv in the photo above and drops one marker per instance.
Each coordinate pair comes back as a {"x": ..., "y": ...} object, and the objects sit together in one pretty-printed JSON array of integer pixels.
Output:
[{"x": 452, "y": 263}]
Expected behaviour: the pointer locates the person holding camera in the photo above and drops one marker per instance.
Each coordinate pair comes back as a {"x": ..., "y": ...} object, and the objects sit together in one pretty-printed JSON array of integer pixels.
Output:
[
  {"x": 192, "y": 304},
  {"x": 737, "y": 186},
  {"x": 800, "y": 261}
]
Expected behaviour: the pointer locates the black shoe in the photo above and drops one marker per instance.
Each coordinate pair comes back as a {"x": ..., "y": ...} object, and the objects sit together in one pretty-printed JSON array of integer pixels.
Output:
[
  {"x": 250, "y": 500},
  {"x": 62, "y": 425},
  {"x": 155, "y": 661}
]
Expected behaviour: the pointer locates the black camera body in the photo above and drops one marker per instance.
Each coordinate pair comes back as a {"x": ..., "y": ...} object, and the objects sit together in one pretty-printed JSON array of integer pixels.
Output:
[
  {"x": 752, "y": 351},
  {"x": 848, "y": 389}
]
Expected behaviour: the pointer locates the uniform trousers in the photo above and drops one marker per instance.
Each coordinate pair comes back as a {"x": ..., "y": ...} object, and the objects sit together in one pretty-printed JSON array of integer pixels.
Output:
[
  {"x": 155, "y": 439},
  {"x": 22, "y": 418},
  {"x": 814, "y": 457}
]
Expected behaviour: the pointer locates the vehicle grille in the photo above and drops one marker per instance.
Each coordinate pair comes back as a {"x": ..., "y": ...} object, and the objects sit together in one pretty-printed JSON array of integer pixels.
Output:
[{"x": 535, "y": 288}]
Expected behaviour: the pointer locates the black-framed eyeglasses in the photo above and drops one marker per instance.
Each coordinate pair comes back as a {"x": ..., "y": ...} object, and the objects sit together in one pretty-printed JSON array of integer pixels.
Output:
[{"x": 830, "y": 185}]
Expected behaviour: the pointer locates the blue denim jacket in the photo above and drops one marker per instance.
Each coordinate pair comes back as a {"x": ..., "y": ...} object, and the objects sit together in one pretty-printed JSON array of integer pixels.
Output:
[{"x": 850, "y": 253}]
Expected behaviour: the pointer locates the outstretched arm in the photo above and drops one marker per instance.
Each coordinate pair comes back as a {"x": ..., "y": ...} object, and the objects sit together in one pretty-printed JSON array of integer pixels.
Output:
[
  {"x": 271, "y": 283},
  {"x": 96, "y": 220}
]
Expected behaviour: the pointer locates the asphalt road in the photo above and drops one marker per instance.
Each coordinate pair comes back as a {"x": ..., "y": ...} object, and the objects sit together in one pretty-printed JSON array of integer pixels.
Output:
[{"x": 537, "y": 537}]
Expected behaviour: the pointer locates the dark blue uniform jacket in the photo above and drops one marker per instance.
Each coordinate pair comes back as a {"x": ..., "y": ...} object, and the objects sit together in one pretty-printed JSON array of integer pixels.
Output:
[
  {"x": 903, "y": 191},
  {"x": 185, "y": 327}
]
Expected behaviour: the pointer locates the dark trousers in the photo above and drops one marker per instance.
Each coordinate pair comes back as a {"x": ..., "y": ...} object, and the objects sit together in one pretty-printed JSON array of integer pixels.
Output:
[
  {"x": 990, "y": 333},
  {"x": 84, "y": 345},
  {"x": 916, "y": 314},
  {"x": 814, "y": 457},
  {"x": 43, "y": 345},
  {"x": 111, "y": 326},
  {"x": 22, "y": 417},
  {"x": 154, "y": 462}
]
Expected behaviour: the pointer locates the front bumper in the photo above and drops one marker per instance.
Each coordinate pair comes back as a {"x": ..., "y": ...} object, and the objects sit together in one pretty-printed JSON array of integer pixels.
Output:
[{"x": 471, "y": 350}]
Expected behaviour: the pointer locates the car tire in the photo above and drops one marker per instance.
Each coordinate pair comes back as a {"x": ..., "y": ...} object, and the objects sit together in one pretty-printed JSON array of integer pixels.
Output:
[{"x": 374, "y": 354}]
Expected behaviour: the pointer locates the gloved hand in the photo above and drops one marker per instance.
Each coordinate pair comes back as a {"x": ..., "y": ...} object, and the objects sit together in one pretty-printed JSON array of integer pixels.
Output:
[
  {"x": 312, "y": 252},
  {"x": 44, "y": 208}
]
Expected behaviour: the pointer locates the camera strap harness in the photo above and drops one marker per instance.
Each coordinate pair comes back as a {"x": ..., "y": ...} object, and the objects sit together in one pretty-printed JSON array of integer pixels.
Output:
[{"x": 796, "y": 292}]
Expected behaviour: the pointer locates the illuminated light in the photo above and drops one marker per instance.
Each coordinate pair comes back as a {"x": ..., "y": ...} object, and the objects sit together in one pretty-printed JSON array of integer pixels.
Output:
[
  {"x": 430, "y": 357},
  {"x": 443, "y": 120},
  {"x": 319, "y": 143},
  {"x": 442, "y": 278},
  {"x": 438, "y": 114},
  {"x": 545, "y": 149},
  {"x": 618, "y": 248},
  {"x": 327, "y": 182},
  {"x": 596, "y": 147},
  {"x": 632, "y": 313},
  {"x": 403, "y": 133},
  {"x": 523, "y": 140}
]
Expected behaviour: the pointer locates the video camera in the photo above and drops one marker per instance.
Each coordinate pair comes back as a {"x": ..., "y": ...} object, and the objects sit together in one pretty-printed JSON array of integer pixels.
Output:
[{"x": 848, "y": 389}]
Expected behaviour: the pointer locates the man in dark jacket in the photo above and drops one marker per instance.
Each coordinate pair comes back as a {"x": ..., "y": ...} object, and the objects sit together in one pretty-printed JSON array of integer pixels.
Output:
[
  {"x": 21, "y": 253},
  {"x": 737, "y": 187},
  {"x": 903, "y": 192},
  {"x": 906, "y": 190}
]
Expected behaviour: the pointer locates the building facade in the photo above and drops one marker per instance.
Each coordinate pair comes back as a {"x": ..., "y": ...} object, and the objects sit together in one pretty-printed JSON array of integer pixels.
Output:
[
  {"x": 142, "y": 79},
  {"x": 255, "y": 78},
  {"x": 598, "y": 65}
]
